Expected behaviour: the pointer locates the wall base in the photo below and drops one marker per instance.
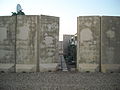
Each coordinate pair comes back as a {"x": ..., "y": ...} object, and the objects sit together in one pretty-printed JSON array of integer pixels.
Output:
[
  {"x": 88, "y": 67},
  {"x": 25, "y": 68},
  {"x": 7, "y": 67},
  {"x": 48, "y": 67},
  {"x": 110, "y": 68}
]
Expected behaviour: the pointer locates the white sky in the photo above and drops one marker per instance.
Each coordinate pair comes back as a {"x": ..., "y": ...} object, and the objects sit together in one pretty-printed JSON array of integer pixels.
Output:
[{"x": 67, "y": 10}]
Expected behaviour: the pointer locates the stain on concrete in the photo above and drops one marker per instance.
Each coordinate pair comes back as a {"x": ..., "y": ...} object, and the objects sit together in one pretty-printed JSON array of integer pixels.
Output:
[{"x": 86, "y": 35}]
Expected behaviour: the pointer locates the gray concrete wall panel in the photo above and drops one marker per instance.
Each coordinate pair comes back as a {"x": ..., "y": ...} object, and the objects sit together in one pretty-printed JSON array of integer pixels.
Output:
[
  {"x": 26, "y": 42},
  {"x": 110, "y": 43},
  {"x": 88, "y": 46},
  {"x": 49, "y": 36},
  {"x": 7, "y": 43},
  {"x": 26, "y": 39},
  {"x": 48, "y": 42}
]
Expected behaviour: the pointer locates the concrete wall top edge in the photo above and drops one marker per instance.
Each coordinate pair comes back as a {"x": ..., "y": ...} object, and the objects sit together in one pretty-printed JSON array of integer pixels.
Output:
[
  {"x": 33, "y": 15},
  {"x": 6, "y": 16},
  {"x": 112, "y": 16},
  {"x": 27, "y": 15},
  {"x": 49, "y": 16},
  {"x": 19, "y": 15},
  {"x": 98, "y": 16},
  {"x": 89, "y": 16}
]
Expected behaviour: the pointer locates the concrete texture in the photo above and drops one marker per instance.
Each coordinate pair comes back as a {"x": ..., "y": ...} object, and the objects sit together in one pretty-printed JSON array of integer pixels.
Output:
[
  {"x": 88, "y": 44},
  {"x": 29, "y": 42},
  {"x": 48, "y": 41},
  {"x": 26, "y": 42},
  {"x": 7, "y": 43},
  {"x": 98, "y": 43},
  {"x": 110, "y": 43}
]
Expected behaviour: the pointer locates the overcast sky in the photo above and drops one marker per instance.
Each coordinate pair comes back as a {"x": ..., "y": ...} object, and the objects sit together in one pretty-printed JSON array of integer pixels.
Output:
[{"x": 67, "y": 10}]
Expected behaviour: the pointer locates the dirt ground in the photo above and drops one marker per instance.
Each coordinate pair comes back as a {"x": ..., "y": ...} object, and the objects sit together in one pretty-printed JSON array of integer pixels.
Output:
[{"x": 59, "y": 81}]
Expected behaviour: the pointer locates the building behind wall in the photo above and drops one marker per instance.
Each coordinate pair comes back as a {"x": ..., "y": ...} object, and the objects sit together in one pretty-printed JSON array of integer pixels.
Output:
[
  {"x": 69, "y": 48},
  {"x": 60, "y": 47},
  {"x": 98, "y": 43},
  {"x": 66, "y": 39},
  {"x": 29, "y": 43}
]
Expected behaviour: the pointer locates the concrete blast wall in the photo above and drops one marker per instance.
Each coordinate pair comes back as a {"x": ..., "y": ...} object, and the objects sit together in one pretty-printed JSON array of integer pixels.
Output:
[
  {"x": 26, "y": 43},
  {"x": 7, "y": 43},
  {"x": 98, "y": 43},
  {"x": 32, "y": 42},
  {"x": 88, "y": 44},
  {"x": 48, "y": 42},
  {"x": 110, "y": 44}
]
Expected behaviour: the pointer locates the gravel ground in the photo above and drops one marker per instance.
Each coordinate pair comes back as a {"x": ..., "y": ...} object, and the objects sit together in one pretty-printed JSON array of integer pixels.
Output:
[{"x": 59, "y": 81}]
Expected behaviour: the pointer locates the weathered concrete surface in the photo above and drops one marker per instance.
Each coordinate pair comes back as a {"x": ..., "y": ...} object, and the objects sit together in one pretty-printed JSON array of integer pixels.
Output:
[
  {"x": 66, "y": 39},
  {"x": 26, "y": 39},
  {"x": 26, "y": 42},
  {"x": 29, "y": 42},
  {"x": 88, "y": 44},
  {"x": 110, "y": 43},
  {"x": 48, "y": 42},
  {"x": 7, "y": 43}
]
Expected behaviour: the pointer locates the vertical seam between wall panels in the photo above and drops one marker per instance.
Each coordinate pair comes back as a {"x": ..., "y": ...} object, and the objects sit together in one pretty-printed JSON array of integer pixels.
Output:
[
  {"x": 57, "y": 43},
  {"x": 78, "y": 43},
  {"x": 15, "y": 54},
  {"x": 37, "y": 62},
  {"x": 100, "y": 42}
]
